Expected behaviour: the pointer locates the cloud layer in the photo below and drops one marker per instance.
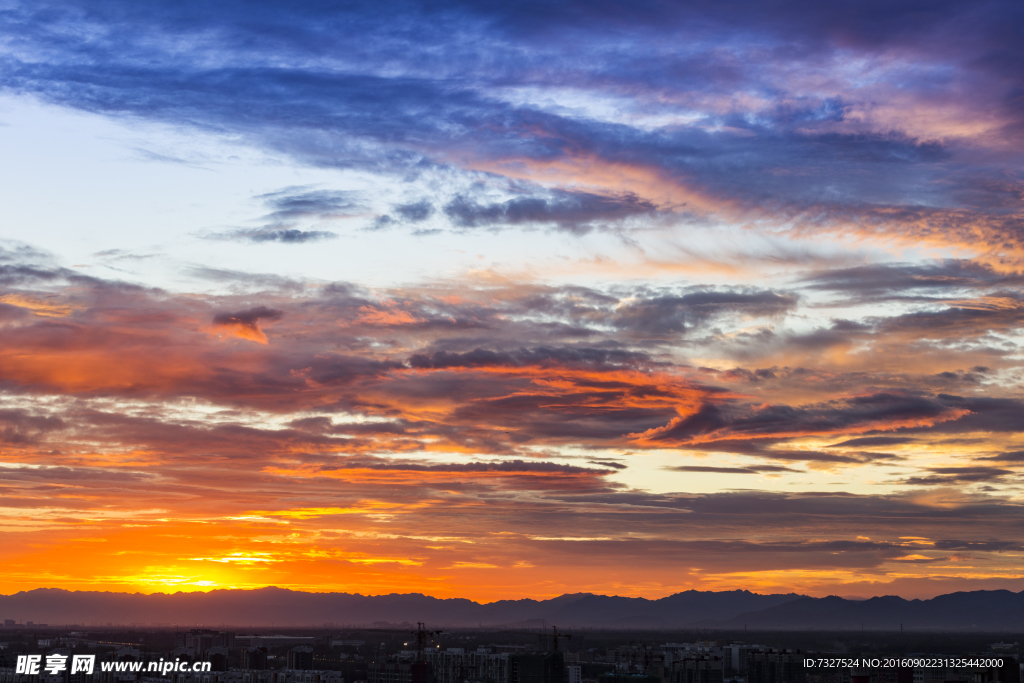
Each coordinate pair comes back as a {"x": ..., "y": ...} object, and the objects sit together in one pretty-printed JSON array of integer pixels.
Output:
[
  {"x": 385, "y": 438},
  {"x": 814, "y": 281}
]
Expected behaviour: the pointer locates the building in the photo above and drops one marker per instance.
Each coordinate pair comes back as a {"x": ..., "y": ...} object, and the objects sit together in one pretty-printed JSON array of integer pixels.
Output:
[
  {"x": 735, "y": 656},
  {"x": 217, "y": 657},
  {"x": 536, "y": 668},
  {"x": 619, "y": 677},
  {"x": 128, "y": 654},
  {"x": 399, "y": 672},
  {"x": 630, "y": 658},
  {"x": 697, "y": 669},
  {"x": 254, "y": 658},
  {"x": 455, "y": 665},
  {"x": 774, "y": 666},
  {"x": 243, "y": 676},
  {"x": 199, "y": 640},
  {"x": 273, "y": 641},
  {"x": 301, "y": 658}
]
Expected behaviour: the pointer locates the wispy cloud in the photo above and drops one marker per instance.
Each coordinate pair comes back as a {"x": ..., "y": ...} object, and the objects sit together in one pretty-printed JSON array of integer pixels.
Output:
[{"x": 295, "y": 206}]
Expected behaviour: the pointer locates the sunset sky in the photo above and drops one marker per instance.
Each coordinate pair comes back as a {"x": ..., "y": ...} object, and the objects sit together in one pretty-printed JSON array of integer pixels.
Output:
[{"x": 503, "y": 300}]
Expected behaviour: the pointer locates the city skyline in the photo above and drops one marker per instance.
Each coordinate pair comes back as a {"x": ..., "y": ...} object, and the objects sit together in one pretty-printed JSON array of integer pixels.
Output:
[{"x": 513, "y": 301}]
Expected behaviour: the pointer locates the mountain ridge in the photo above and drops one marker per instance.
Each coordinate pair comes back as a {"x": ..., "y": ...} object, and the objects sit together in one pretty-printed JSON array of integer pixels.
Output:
[{"x": 727, "y": 610}]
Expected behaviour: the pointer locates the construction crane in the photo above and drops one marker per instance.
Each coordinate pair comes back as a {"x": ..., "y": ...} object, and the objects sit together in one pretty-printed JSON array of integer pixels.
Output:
[
  {"x": 555, "y": 635},
  {"x": 422, "y": 634}
]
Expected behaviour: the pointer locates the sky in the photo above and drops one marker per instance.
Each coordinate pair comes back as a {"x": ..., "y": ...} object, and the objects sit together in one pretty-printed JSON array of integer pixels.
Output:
[{"x": 509, "y": 300}]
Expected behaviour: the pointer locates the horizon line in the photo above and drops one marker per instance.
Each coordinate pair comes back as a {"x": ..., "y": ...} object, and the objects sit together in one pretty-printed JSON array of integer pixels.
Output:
[{"x": 207, "y": 591}]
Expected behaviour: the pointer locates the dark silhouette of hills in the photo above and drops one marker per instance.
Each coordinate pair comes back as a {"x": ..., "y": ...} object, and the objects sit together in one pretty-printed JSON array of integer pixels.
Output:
[
  {"x": 282, "y": 607},
  {"x": 977, "y": 610},
  {"x": 998, "y": 610}
]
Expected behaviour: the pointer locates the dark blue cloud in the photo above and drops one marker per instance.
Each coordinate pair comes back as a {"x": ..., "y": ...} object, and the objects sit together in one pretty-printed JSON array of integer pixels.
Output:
[
  {"x": 572, "y": 211},
  {"x": 903, "y": 280},
  {"x": 832, "y": 416},
  {"x": 416, "y": 211},
  {"x": 284, "y": 235},
  {"x": 522, "y": 357},
  {"x": 668, "y": 314},
  {"x": 403, "y": 87},
  {"x": 249, "y": 317},
  {"x": 292, "y": 206}
]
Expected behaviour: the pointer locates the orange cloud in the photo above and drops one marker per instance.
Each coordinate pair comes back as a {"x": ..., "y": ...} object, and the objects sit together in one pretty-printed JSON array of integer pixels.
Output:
[
  {"x": 425, "y": 437},
  {"x": 41, "y": 307}
]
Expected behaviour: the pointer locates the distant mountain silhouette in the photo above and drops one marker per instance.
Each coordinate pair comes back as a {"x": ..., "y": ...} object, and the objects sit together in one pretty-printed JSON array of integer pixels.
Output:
[
  {"x": 999, "y": 610},
  {"x": 282, "y": 607},
  {"x": 264, "y": 607}
]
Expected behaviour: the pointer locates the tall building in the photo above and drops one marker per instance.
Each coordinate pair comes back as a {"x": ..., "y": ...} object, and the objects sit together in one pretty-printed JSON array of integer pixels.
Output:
[
  {"x": 300, "y": 658},
  {"x": 254, "y": 658},
  {"x": 218, "y": 658},
  {"x": 455, "y": 665},
  {"x": 736, "y": 657}
]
